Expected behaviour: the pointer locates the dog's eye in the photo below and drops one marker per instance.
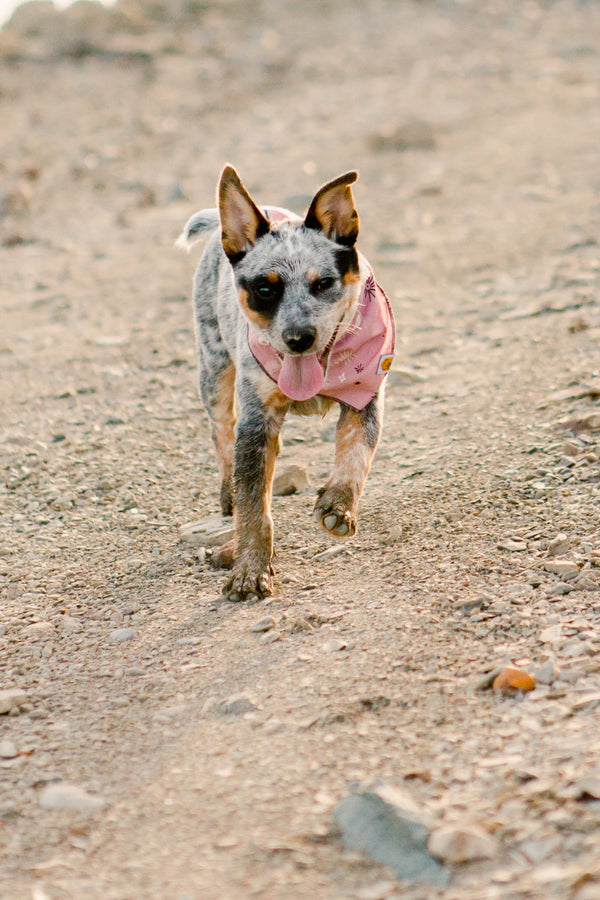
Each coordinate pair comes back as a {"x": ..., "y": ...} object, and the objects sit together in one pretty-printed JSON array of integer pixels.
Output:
[
  {"x": 265, "y": 294},
  {"x": 265, "y": 291},
  {"x": 323, "y": 284}
]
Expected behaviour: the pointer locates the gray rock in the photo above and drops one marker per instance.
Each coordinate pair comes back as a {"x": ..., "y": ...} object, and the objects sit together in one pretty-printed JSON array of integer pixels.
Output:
[
  {"x": 122, "y": 635},
  {"x": 69, "y": 797},
  {"x": 237, "y": 706},
  {"x": 389, "y": 835}
]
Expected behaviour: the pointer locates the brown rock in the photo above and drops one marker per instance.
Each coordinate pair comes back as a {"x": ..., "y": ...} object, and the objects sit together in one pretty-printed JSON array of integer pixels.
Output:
[
  {"x": 290, "y": 480},
  {"x": 512, "y": 681}
]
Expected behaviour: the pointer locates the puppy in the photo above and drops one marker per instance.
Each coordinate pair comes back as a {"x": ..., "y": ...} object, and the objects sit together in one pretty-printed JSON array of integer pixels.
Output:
[{"x": 288, "y": 318}]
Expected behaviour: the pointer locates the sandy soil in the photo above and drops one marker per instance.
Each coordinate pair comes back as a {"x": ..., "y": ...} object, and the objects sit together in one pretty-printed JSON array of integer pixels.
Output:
[{"x": 209, "y": 754}]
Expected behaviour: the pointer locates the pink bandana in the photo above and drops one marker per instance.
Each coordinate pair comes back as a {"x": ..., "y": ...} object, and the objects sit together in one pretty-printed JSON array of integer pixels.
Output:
[{"x": 351, "y": 370}]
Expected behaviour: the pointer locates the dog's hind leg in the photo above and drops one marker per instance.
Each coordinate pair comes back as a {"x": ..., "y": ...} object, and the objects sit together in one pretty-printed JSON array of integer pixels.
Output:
[
  {"x": 357, "y": 435},
  {"x": 222, "y": 419},
  {"x": 218, "y": 393}
]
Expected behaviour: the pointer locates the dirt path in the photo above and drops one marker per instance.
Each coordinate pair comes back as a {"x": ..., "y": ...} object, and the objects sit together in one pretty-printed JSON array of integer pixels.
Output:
[{"x": 212, "y": 741}]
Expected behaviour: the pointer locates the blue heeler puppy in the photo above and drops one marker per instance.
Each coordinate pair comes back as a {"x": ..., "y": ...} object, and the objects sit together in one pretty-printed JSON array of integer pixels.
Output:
[{"x": 288, "y": 318}]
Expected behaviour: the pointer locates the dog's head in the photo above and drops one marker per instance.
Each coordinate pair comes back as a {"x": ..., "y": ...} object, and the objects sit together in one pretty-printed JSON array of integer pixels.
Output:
[{"x": 296, "y": 279}]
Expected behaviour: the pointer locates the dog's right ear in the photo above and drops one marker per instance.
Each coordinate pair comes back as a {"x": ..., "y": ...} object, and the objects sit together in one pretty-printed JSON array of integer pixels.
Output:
[{"x": 242, "y": 222}]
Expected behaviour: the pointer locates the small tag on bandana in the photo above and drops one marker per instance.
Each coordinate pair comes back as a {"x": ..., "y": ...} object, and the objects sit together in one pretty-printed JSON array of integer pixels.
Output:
[{"x": 385, "y": 364}]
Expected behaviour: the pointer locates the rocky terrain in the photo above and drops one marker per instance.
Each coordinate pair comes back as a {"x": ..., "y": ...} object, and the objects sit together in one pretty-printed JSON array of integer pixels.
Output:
[{"x": 440, "y": 672}]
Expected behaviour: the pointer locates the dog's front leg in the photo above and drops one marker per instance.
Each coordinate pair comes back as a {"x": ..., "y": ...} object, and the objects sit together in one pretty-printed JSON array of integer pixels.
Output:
[
  {"x": 256, "y": 449},
  {"x": 357, "y": 435}
]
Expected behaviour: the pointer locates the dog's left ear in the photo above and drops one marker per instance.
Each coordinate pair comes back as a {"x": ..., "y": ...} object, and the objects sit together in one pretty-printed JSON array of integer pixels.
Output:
[
  {"x": 242, "y": 222},
  {"x": 332, "y": 211}
]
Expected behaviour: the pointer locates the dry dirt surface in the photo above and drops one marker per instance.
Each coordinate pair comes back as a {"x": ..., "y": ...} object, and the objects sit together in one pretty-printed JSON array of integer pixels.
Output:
[{"x": 158, "y": 741}]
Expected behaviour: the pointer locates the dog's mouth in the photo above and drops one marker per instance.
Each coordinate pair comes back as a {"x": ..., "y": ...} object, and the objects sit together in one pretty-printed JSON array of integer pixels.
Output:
[{"x": 301, "y": 377}]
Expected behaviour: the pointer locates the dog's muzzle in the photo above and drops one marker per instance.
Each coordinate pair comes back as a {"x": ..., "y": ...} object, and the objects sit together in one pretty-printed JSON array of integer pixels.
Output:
[{"x": 299, "y": 340}]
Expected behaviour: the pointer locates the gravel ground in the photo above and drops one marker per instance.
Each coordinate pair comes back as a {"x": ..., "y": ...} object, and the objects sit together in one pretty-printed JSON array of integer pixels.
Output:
[{"x": 158, "y": 741}]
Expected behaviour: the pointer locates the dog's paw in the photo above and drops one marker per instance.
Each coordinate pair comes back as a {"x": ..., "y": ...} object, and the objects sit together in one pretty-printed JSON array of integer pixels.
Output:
[
  {"x": 249, "y": 584},
  {"x": 335, "y": 511}
]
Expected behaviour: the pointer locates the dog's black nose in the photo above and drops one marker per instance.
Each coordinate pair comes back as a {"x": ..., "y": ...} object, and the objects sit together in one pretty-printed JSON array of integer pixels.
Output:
[{"x": 300, "y": 339}]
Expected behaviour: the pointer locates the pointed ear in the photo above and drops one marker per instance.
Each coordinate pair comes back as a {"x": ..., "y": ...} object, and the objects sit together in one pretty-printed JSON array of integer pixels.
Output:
[
  {"x": 332, "y": 211},
  {"x": 242, "y": 222}
]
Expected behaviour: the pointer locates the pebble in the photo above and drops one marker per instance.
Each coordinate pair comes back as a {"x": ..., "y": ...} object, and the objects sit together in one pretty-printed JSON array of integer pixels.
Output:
[
  {"x": 291, "y": 480},
  {"x": 564, "y": 568},
  {"x": 546, "y": 674},
  {"x": 69, "y": 624},
  {"x": 330, "y": 553},
  {"x": 335, "y": 645},
  {"x": 559, "y": 545},
  {"x": 211, "y": 531},
  {"x": 11, "y": 699},
  {"x": 471, "y": 604},
  {"x": 381, "y": 890},
  {"x": 589, "y": 787},
  {"x": 551, "y": 635},
  {"x": 533, "y": 578},
  {"x": 264, "y": 624},
  {"x": 513, "y": 546},
  {"x": 568, "y": 676},
  {"x": 8, "y": 749},
  {"x": 460, "y": 844},
  {"x": 560, "y": 589},
  {"x": 237, "y": 706},
  {"x": 122, "y": 635},
  {"x": 40, "y": 631},
  {"x": 271, "y": 637},
  {"x": 272, "y": 726},
  {"x": 70, "y": 797},
  {"x": 587, "y": 701}
]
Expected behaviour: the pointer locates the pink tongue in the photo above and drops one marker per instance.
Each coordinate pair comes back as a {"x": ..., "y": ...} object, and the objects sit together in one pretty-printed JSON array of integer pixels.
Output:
[{"x": 301, "y": 377}]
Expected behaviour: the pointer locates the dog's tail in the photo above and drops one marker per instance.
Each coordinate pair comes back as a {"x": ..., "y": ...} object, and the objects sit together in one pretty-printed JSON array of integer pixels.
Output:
[
  {"x": 208, "y": 220},
  {"x": 205, "y": 220}
]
